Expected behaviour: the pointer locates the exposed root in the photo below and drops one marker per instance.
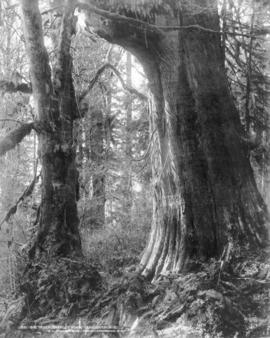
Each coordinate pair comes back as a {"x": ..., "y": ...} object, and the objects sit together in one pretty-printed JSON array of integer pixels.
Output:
[
  {"x": 208, "y": 302},
  {"x": 230, "y": 303}
]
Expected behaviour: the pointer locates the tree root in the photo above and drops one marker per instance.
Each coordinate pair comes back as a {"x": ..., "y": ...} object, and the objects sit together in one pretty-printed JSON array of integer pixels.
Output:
[
  {"x": 203, "y": 303},
  {"x": 206, "y": 302}
]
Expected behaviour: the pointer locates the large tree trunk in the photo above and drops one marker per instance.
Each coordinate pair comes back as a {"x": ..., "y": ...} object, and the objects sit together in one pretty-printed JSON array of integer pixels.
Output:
[
  {"x": 56, "y": 108},
  {"x": 205, "y": 196},
  {"x": 215, "y": 200}
]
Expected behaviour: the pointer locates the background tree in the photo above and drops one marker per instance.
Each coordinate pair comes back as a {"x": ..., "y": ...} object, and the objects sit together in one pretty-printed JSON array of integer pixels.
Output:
[
  {"x": 246, "y": 63},
  {"x": 18, "y": 167}
]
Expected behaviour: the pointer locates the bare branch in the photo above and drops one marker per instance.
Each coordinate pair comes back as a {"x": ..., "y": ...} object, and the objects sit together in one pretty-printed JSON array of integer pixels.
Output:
[
  {"x": 205, "y": 29},
  {"x": 92, "y": 82},
  {"x": 100, "y": 71},
  {"x": 12, "y": 120},
  {"x": 132, "y": 90},
  {"x": 51, "y": 10},
  {"x": 27, "y": 192},
  {"x": 11, "y": 87},
  {"x": 15, "y": 137}
]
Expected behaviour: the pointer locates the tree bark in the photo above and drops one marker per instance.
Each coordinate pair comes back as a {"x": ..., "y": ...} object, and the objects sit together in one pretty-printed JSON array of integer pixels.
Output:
[
  {"x": 205, "y": 195},
  {"x": 56, "y": 108}
]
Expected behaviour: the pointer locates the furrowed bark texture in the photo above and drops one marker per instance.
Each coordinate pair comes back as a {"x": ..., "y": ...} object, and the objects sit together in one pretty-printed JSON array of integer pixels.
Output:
[
  {"x": 205, "y": 196},
  {"x": 55, "y": 104}
]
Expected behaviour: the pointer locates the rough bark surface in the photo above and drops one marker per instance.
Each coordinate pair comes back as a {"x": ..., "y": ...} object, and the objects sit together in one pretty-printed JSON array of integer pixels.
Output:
[{"x": 205, "y": 196}]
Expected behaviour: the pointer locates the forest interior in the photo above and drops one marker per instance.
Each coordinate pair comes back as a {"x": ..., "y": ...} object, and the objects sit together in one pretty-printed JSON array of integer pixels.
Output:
[{"x": 135, "y": 160}]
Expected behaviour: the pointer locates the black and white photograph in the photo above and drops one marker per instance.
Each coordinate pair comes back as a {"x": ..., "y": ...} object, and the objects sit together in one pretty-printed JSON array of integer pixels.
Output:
[{"x": 134, "y": 168}]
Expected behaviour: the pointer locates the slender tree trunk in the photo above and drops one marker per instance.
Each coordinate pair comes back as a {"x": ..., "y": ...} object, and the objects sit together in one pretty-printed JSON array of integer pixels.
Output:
[
  {"x": 98, "y": 177},
  {"x": 205, "y": 196},
  {"x": 128, "y": 140},
  {"x": 56, "y": 107}
]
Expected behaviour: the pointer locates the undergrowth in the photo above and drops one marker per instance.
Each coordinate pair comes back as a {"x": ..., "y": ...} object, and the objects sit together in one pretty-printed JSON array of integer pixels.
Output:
[
  {"x": 115, "y": 248},
  {"x": 213, "y": 301},
  {"x": 216, "y": 299},
  {"x": 60, "y": 287}
]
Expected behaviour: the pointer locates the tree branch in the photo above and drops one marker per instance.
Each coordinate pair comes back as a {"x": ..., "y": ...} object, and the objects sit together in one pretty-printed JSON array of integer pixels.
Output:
[
  {"x": 12, "y": 120},
  {"x": 205, "y": 29},
  {"x": 15, "y": 137},
  {"x": 11, "y": 87},
  {"x": 132, "y": 90},
  {"x": 142, "y": 25},
  {"x": 51, "y": 9},
  {"x": 146, "y": 26},
  {"x": 27, "y": 192},
  {"x": 100, "y": 71}
]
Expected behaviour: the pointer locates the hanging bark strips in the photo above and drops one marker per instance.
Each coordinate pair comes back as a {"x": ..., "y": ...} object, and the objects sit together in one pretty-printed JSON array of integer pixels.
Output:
[{"x": 205, "y": 196}]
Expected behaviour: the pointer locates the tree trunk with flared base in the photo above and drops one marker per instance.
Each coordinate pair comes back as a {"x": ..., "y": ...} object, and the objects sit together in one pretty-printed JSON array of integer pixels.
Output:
[{"x": 205, "y": 196}]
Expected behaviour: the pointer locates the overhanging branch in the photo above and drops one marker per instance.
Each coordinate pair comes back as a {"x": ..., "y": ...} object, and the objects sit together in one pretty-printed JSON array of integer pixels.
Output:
[
  {"x": 15, "y": 137},
  {"x": 12, "y": 120},
  {"x": 131, "y": 90},
  {"x": 11, "y": 87},
  {"x": 142, "y": 25},
  {"x": 204, "y": 29},
  {"x": 27, "y": 192}
]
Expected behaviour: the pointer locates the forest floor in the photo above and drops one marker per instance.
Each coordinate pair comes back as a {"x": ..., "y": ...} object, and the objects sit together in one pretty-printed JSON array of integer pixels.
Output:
[{"x": 229, "y": 297}]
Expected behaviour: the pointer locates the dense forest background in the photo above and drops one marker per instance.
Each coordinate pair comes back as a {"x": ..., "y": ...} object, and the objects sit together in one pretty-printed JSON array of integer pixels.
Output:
[
  {"x": 111, "y": 139},
  {"x": 118, "y": 175}
]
